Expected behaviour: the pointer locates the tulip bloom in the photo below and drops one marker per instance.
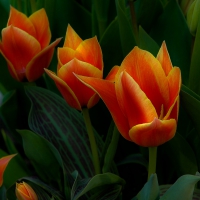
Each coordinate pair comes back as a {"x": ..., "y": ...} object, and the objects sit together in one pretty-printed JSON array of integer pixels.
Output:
[
  {"x": 83, "y": 57},
  {"x": 3, "y": 164},
  {"x": 25, "y": 192},
  {"x": 25, "y": 44},
  {"x": 142, "y": 96}
]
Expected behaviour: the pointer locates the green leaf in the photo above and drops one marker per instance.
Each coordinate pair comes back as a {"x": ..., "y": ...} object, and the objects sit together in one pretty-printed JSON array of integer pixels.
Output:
[
  {"x": 147, "y": 12},
  {"x": 147, "y": 43},
  {"x": 179, "y": 155},
  {"x": 101, "y": 11},
  {"x": 83, "y": 186},
  {"x": 10, "y": 144},
  {"x": 71, "y": 12},
  {"x": 111, "y": 46},
  {"x": 52, "y": 118},
  {"x": 182, "y": 189},
  {"x": 194, "y": 66},
  {"x": 4, "y": 8},
  {"x": 150, "y": 191},
  {"x": 43, "y": 156},
  {"x": 125, "y": 29},
  {"x": 191, "y": 103},
  {"x": 171, "y": 26},
  {"x": 9, "y": 109}
]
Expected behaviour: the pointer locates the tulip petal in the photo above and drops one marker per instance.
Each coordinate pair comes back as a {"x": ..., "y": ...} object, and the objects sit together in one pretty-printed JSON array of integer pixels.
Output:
[
  {"x": 153, "y": 134},
  {"x": 65, "y": 55},
  {"x": 82, "y": 92},
  {"x": 147, "y": 71},
  {"x": 3, "y": 164},
  {"x": 41, "y": 24},
  {"x": 19, "y": 48},
  {"x": 164, "y": 59},
  {"x": 133, "y": 101},
  {"x": 174, "y": 81},
  {"x": 35, "y": 67},
  {"x": 106, "y": 90},
  {"x": 21, "y": 21},
  {"x": 65, "y": 90},
  {"x": 111, "y": 75},
  {"x": 72, "y": 39},
  {"x": 90, "y": 51}
]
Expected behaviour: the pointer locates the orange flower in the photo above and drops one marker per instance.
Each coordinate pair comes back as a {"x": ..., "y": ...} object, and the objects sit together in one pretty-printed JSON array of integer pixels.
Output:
[
  {"x": 80, "y": 57},
  {"x": 3, "y": 164},
  {"x": 142, "y": 96},
  {"x": 25, "y": 44},
  {"x": 25, "y": 192}
]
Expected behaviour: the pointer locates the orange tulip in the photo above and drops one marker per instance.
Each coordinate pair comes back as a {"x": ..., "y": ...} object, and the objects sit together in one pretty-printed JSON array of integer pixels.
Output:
[
  {"x": 25, "y": 44},
  {"x": 25, "y": 192},
  {"x": 142, "y": 96},
  {"x": 3, "y": 164},
  {"x": 83, "y": 57}
]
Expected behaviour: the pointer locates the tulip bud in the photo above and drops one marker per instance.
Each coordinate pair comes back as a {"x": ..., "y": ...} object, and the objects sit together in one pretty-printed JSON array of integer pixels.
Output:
[
  {"x": 193, "y": 16},
  {"x": 25, "y": 192}
]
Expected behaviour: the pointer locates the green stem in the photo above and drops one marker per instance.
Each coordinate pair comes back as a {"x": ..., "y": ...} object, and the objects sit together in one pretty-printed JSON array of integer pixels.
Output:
[
  {"x": 152, "y": 160},
  {"x": 134, "y": 21},
  {"x": 92, "y": 140},
  {"x": 109, "y": 157}
]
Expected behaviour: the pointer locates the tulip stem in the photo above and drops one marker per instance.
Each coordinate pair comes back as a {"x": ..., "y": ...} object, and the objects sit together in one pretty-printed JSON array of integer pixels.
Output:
[
  {"x": 152, "y": 160},
  {"x": 93, "y": 145}
]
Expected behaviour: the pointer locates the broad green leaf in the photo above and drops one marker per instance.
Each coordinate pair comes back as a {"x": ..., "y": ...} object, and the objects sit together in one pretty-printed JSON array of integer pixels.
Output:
[
  {"x": 101, "y": 12},
  {"x": 147, "y": 43},
  {"x": 10, "y": 145},
  {"x": 4, "y": 8},
  {"x": 125, "y": 29},
  {"x": 84, "y": 186},
  {"x": 9, "y": 113},
  {"x": 191, "y": 103},
  {"x": 71, "y": 12},
  {"x": 182, "y": 189},
  {"x": 134, "y": 158},
  {"x": 194, "y": 66},
  {"x": 194, "y": 139},
  {"x": 147, "y": 12},
  {"x": 150, "y": 191},
  {"x": 111, "y": 47},
  {"x": 171, "y": 26},
  {"x": 179, "y": 158},
  {"x": 63, "y": 126},
  {"x": 43, "y": 156}
]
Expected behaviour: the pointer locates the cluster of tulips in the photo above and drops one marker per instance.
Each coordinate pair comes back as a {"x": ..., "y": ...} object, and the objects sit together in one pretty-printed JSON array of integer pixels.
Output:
[{"x": 142, "y": 94}]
